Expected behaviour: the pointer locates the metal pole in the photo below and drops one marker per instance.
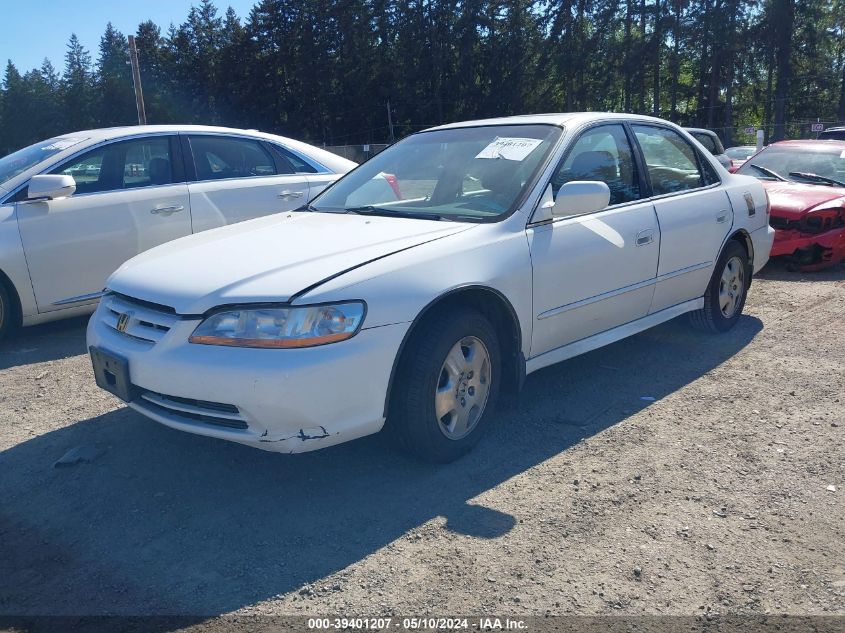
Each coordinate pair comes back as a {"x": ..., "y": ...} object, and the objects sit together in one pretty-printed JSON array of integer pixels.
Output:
[
  {"x": 136, "y": 81},
  {"x": 390, "y": 121}
]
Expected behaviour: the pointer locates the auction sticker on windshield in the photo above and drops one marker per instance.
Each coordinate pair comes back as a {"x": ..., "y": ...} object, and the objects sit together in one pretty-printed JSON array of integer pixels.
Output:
[
  {"x": 62, "y": 143},
  {"x": 509, "y": 148}
]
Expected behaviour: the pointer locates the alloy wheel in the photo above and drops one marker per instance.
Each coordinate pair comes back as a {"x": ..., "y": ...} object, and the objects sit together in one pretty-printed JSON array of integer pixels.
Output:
[
  {"x": 731, "y": 287},
  {"x": 463, "y": 387}
]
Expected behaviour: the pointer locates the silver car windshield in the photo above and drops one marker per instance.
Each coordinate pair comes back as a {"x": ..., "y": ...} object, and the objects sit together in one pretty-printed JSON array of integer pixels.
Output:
[
  {"x": 21, "y": 160},
  {"x": 465, "y": 174}
]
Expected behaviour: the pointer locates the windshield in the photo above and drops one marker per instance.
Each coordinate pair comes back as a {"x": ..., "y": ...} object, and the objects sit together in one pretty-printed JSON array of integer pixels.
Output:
[
  {"x": 18, "y": 162},
  {"x": 740, "y": 153},
  {"x": 464, "y": 174},
  {"x": 810, "y": 164}
]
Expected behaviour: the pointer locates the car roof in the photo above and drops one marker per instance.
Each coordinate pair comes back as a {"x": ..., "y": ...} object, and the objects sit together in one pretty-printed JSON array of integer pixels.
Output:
[
  {"x": 559, "y": 119},
  {"x": 812, "y": 143},
  {"x": 700, "y": 130},
  {"x": 107, "y": 133},
  {"x": 327, "y": 159}
]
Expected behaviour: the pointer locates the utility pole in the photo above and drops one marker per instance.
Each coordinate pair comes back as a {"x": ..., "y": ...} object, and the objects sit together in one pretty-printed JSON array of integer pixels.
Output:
[
  {"x": 136, "y": 81},
  {"x": 390, "y": 121}
]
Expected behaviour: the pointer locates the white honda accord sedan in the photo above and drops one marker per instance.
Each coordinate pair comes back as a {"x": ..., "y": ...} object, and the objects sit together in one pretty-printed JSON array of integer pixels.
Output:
[
  {"x": 501, "y": 247},
  {"x": 75, "y": 207}
]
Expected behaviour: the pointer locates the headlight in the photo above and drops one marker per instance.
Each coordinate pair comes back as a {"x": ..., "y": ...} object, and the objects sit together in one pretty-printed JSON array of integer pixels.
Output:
[{"x": 273, "y": 327}]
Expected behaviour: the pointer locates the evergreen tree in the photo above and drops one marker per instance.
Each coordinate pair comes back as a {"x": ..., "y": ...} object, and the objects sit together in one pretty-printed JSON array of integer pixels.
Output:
[
  {"x": 114, "y": 89},
  {"x": 325, "y": 70},
  {"x": 77, "y": 89}
]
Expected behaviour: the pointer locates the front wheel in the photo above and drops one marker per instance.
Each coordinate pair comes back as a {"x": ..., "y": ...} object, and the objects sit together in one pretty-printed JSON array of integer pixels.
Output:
[
  {"x": 726, "y": 292},
  {"x": 446, "y": 386},
  {"x": 7, "y": 313}
]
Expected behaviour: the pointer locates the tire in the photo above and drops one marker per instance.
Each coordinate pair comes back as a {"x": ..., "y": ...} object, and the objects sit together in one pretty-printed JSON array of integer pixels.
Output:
[
  {"x": 8, "y": 316},
  {"x": 455, "y": 354},
  {"x": 726, "y": 292}
]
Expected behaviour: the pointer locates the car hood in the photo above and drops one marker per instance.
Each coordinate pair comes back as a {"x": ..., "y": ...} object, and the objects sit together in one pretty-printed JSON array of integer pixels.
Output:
[
  {"x": 792, "y": 200},
  {"x": 270, "y": 259}
]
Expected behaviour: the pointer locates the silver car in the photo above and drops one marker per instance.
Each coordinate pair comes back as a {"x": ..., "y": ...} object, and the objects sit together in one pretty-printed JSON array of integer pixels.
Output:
[{"x": 711, "y": 143}]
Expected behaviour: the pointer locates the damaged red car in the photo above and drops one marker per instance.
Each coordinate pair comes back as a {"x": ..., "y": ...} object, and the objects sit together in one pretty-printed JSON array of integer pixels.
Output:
[{"x": 805, "y": 181}]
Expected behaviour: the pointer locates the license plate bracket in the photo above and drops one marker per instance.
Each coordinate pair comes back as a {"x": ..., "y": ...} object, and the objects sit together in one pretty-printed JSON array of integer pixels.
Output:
[{"x": 112, "y": 373}]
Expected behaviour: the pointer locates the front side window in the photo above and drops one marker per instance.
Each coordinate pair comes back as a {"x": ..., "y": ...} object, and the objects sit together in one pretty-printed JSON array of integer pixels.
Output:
[
  {"x": 671, "y": 161},
  {"x": 602, "y": 153},
  {"x": 142, "y": 162},
  {"x": 219, "y": 157},
  {"x": 466, "y": 174}
]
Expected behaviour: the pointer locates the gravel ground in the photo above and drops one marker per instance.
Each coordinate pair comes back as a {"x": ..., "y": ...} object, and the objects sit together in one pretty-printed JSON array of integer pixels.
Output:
[{"x": 586, "y": 497}]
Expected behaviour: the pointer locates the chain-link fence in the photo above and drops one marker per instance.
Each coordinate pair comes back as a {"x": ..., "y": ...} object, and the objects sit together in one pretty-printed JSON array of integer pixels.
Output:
[{"x": 358, "y": 153}]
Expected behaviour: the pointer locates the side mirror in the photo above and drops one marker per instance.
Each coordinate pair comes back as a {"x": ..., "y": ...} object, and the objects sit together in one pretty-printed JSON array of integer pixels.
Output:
[
  {"x": 50, "y": 186},
  {"x": 581, "y": 196}
]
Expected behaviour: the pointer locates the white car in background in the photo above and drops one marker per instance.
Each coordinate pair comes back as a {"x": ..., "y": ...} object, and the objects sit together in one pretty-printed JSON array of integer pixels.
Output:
[
  {"x": 500, "y": 247},
  {"x": 75, "y": 207}
]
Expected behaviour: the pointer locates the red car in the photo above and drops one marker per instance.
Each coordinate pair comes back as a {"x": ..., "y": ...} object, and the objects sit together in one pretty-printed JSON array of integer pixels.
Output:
[{"x": 805, "y": 181}]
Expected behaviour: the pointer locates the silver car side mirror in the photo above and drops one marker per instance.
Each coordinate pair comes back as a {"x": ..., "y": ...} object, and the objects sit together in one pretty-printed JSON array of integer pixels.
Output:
[
  {"x": 581, "y": 196},
  {"x": 50, "y": 186}
]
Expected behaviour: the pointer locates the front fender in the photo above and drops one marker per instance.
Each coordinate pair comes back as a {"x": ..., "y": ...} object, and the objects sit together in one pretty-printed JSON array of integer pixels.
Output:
[
  {"x": 398, "y": 288},
  {"x": 13, "y": 261}
]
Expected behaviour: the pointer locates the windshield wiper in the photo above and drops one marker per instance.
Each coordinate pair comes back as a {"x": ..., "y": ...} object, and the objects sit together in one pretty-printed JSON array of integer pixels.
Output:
[
  {"x": 768, "y": 172},
  {"x": 393, "y": 213},
  {"x": 817, "y": 178}
]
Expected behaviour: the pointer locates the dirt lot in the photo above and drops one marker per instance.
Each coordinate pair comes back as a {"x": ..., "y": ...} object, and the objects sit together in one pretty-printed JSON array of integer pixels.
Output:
[{"x": 584, "y": 498}]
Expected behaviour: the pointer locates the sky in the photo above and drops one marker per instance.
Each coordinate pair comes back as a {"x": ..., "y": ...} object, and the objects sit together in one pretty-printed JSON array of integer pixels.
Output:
[{"x": 35, "y": 29}]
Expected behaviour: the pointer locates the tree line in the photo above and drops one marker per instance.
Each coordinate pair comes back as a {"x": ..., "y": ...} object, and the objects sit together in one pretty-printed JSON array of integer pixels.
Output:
[{"x": 327, "y": 71}]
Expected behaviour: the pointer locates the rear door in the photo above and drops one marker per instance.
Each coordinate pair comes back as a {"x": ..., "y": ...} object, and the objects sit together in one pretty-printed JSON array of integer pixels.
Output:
[
  {"x": 237, "y": 178},
  {"x": 596, "y": 271},
  {"x": 693, "y": 209},
  {"x": 130, "y": 195}
]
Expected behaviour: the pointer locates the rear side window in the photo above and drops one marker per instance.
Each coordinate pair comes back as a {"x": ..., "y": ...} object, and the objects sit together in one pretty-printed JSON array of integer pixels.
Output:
[
  {"x": 141, "y": 162},
  {"x": 219, "y": 157},
  {"x": 296, "y": 164},
  {"x": 671, "y": 161},
  {"x": 706, "y": 140}
]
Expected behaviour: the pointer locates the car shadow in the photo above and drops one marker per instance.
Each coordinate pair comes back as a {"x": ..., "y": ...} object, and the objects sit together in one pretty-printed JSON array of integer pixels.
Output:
[
  {"x": 164, "y": 522},
  {"x": 779, "y": 269},
  {"x": 46, "y": 342}
]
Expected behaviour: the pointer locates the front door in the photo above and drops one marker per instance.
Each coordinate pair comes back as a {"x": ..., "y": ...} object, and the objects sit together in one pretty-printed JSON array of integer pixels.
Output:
[
  {"x": 596, "y": 271},
  {"x": 128, "y": 199}
]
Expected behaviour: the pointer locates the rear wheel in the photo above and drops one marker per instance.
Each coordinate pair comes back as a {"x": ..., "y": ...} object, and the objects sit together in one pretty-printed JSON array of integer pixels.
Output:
[
  {"x": 726, "y": 292},
  {"x": 446, "y": 386}
]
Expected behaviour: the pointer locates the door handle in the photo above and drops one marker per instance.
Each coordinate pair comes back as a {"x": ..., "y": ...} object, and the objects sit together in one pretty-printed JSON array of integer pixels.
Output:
[
  {"x": 722, "y": 216},
  {"x": 167, "y": 210},
  {"x": 645, "y": 237},
  {"x": 288, "y": 194}
]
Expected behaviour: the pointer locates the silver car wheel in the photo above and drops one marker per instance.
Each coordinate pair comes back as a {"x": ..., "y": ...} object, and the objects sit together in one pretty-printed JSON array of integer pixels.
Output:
[
  {"x": 462, "y": 388},
  {"x": 731, "y": 287}
]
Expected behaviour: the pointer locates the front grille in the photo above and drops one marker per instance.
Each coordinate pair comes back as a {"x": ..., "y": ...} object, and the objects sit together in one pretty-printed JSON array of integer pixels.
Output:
[
  {"x": 189, "y": 409},
  {"x": 143, "y": 321}
]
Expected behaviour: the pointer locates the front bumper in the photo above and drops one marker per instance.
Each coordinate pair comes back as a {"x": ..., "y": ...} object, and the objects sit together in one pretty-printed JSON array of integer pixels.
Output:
[
  {"x": 811, "y": 251},
  {"x": 286, "y": 400}
]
